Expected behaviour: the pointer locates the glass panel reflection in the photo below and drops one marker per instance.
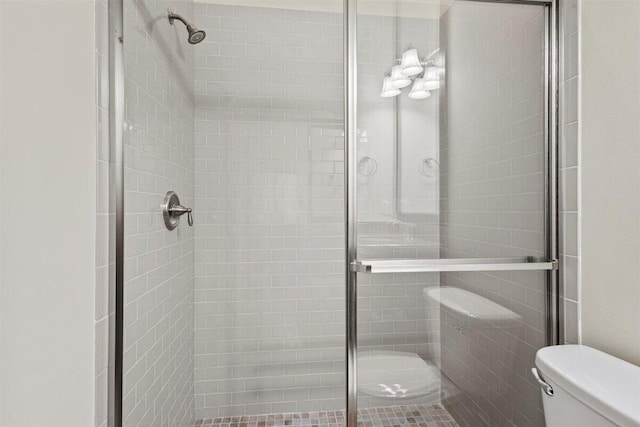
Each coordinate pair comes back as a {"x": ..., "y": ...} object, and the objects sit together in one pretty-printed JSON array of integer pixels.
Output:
[{"x": 457, "y": 136}]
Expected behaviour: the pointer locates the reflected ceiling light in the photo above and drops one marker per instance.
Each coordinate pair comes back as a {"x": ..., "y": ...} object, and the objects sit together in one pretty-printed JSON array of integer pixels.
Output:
[
  {"x": 399, "y": 80},
  {"x": 388, "y": 90},
  {"x": 425, "y": 74},
  {"x": 418, "y": 90},
  {"x": 410, "y": 65},
  {"x": 431, "y": 80}
]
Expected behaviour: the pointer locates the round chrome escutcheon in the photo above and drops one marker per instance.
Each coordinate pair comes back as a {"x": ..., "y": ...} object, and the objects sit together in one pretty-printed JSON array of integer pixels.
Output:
[{"x": 170, "y": 199}]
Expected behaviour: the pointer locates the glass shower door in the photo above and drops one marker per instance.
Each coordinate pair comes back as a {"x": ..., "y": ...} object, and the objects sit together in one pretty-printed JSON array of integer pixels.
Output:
[
  {"x": 240, "y": 314},
  {"x": 454, "y": 184}
]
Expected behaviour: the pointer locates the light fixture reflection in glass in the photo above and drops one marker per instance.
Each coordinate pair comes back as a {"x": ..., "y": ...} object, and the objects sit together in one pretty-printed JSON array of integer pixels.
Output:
[
  {"x": 419, "y": 91},
  {"x": 399, "y": 80},
  {"x": 388, "y": 90},
  {"x": 431, "y": 80},
  {"x": 410, "y": 65}
]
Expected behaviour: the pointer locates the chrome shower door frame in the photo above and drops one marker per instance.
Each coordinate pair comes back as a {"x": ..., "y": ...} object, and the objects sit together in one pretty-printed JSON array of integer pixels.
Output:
[
  {"x": 116, "y": 126},
  {"x": 553, "y": 292},
  {"x": 116, "y": 207}
]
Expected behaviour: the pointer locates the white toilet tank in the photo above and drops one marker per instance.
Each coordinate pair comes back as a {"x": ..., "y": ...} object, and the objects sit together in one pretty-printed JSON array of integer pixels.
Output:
[{"x": 590, "y": 388}]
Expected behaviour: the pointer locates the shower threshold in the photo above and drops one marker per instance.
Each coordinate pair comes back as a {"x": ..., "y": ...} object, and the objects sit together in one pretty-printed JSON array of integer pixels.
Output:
[{"x": 390, "y": 416}]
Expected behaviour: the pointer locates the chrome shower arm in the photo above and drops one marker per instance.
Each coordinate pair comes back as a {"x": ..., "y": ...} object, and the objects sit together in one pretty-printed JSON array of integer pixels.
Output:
[{"x": 172, "y": 16}]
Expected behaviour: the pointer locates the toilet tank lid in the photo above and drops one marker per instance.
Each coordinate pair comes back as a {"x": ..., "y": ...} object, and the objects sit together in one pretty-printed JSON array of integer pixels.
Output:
[
  {"x": 606, "y": 384},
  {"x": 471, "y": 306}
]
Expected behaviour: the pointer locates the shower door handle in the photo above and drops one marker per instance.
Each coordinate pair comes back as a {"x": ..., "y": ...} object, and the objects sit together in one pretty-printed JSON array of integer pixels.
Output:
[{"x": 451, "y": 265}]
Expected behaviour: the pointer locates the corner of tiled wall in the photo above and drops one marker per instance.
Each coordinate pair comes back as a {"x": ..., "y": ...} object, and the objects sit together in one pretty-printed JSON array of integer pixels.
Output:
[
  {"x": 104, "y": 255},
  {"x": 569, "y": 161}
]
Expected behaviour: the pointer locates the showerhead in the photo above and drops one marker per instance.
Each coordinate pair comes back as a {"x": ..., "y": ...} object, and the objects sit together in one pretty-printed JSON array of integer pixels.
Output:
[{"x": 195, "y": 35}]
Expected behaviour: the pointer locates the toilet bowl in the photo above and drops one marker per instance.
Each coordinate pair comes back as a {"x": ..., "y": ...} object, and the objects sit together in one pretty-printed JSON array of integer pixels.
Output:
[
  {"x": 387, "y": 378},
  {"x": 396, "y": 376},
  {"x": 585, "y": 387}
]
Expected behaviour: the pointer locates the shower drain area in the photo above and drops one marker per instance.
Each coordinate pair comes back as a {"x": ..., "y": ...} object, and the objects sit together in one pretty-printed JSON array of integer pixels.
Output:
[{"x": 390, "y": 416}]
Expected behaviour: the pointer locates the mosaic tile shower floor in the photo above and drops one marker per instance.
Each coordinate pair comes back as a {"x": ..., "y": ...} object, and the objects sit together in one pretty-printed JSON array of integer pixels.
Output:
[{"x": 393, "y": 416}]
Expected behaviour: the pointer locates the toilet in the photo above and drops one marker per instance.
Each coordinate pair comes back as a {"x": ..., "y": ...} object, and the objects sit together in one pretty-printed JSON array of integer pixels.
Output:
[
  {"x": 585, "y": 387},
  {"x": 396, "y": 377}
]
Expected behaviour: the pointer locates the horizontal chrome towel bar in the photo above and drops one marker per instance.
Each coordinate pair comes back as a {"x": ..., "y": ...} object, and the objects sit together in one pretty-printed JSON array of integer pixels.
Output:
[{"x": 449, "y": 265}]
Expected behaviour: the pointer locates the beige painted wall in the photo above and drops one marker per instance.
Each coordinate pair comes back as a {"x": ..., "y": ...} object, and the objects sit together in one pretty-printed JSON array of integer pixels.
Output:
[
  {"x": 610, "y": 54},
  {"x": 48, "y": 207}
]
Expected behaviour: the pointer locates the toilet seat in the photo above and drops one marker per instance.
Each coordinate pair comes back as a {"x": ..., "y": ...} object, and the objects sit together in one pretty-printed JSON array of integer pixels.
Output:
[{"x": 396, "y": 375}]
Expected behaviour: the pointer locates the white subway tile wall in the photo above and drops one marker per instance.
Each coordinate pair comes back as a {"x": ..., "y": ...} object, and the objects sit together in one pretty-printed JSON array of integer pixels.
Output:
[
  {"x": 159, "y": 264},
  {"x": 492, "y": 204},
  {"x": 269, "y": 186},
  {"x": 569, "y": 159},
  {"x": 269, "y": 300}
]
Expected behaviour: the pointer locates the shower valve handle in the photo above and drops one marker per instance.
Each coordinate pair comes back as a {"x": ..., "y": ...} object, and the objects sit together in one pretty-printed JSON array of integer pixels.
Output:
[
  {"x": 179, "y": 210},
  {"x": 172, "y": 210}
]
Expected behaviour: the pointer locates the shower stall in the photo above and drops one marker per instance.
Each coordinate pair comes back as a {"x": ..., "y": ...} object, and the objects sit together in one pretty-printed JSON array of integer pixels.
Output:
[{"x": 332, "y": 213}]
